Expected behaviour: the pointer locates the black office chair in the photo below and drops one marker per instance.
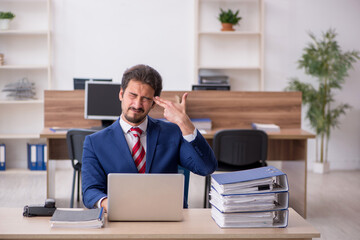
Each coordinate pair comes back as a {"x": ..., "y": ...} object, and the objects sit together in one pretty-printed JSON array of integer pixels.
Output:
[
  {"x": 75, "y": 142},
  {"x": 236, "y": 150}
]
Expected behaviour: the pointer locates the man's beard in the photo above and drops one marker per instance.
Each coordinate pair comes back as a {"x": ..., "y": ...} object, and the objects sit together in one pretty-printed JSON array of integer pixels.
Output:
[{"x": 134, "y": 119}]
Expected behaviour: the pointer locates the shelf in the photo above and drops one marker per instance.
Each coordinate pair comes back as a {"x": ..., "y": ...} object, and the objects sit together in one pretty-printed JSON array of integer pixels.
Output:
[
  {"x": 24, "y": 67},
  {"x": 20, "y": 136},
  {"x": 16, "y": 32},
  {"x": 229, "y": 68},
  {"x": 21, "y": 102},
  {"x": 234, "y": 33}
]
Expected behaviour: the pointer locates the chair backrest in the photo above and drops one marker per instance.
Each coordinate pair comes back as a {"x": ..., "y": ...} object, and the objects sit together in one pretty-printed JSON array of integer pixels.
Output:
[
  {"x": 240, "y": 147},
  {"x": 75, "y": 141},
  {"x": 186, "y": 173}
]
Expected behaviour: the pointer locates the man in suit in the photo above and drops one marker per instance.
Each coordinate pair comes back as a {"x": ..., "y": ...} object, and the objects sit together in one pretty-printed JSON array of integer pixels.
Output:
[{"x": 137, "y": 143}]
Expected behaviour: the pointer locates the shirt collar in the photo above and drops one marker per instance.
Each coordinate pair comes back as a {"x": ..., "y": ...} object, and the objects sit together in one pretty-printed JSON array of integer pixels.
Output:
[{"x": 126, "y": 127}]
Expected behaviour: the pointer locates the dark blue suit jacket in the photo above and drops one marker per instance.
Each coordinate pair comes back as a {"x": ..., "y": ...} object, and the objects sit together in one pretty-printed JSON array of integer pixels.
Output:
[{"x": 107, "y": 152}]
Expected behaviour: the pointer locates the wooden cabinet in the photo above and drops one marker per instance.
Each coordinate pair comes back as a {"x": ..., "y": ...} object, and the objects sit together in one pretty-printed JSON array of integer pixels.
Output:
[
  {"x": 26, "y": 47},
  {"x": 237, "y": 54}
]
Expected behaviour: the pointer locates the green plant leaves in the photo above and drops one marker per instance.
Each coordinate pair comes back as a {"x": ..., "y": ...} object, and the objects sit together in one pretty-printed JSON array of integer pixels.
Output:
[
  {"x": 324, "y": 60},
  {"x": 6, "y": 15},
  {"x": 229, "y": 17}
]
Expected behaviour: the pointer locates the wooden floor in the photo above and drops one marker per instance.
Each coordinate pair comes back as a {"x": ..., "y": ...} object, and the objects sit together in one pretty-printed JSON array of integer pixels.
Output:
[{"x": 333, "y": 199}]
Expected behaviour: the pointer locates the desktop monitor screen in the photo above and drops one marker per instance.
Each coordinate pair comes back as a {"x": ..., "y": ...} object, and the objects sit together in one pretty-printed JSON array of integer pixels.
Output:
[
  {"x": 79, "y": 83},
  {"x": 102, "y": 100}
]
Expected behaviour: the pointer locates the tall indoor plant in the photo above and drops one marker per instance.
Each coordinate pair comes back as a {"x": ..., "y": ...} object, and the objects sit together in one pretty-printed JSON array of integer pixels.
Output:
[{"x": 324, "y": 60}]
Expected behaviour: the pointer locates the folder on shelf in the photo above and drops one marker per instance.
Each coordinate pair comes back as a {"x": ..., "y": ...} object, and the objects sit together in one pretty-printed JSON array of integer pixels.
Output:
[
  {"x": 250, "y": 202},
  {"x": 2, "y": 157},
  {"x": 78, "y": 218},
  {"x": 257, "y": 180},
  {"x": 37, "y": 156},
  {"x": 263, "y": 219}
]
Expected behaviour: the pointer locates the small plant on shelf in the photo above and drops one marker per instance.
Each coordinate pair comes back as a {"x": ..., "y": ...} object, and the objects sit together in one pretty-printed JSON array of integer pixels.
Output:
[
  {"x": 228, "y": 19},
  {"x": 7, "y": 15},
  {"x": 5, "y": 18}
]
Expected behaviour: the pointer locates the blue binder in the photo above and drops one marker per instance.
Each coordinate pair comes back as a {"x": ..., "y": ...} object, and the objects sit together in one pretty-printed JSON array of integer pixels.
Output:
[
  {"x": 237, "y": 203},
  {"x": 37, "y": 156},
  {"x": 257, "y": 180},
  {"x": 274, "y": 219},
  {"x": 2, "y": 157}
]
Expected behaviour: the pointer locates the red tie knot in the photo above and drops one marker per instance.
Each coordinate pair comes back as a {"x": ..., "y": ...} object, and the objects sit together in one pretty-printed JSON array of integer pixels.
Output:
[{"x": 136, "y": 131}]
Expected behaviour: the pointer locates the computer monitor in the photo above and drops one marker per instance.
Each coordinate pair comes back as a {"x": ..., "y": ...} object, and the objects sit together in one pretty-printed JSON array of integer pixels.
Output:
[
  {"x": 102, "y": 101},
  {"x": 79, "y": 83}
]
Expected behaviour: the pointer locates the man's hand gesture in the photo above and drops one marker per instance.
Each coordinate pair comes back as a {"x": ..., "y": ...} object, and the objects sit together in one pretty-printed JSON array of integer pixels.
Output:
[{"x": 175, "y": 112}]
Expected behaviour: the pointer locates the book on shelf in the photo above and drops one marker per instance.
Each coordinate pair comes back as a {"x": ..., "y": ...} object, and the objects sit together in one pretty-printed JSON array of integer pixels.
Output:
[
  {"x": 257, "y": 197},
  {"x": 78, "y": 218},
  {"x": 266, "y": 127}
]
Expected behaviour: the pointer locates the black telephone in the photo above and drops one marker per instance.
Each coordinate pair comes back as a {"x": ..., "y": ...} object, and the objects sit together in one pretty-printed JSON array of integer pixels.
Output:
[{"x": 40, "y": 210}]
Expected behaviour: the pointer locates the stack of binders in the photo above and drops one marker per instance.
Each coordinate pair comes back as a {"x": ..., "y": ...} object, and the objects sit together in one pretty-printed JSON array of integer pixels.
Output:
[{"x": 251, "y": 198}]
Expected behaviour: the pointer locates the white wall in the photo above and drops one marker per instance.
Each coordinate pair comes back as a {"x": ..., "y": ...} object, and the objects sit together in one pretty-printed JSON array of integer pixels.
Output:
[
  {"x": 94, "y": 38},
  {"x": 286, "y": 25}
]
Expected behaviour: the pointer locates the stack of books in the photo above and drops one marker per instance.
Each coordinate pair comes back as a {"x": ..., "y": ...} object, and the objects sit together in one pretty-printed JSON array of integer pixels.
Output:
[{"x": 251, "y": 198}]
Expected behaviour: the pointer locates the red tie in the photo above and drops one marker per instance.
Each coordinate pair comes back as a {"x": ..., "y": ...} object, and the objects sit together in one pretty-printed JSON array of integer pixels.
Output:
[{"x": 138, "y": 151}]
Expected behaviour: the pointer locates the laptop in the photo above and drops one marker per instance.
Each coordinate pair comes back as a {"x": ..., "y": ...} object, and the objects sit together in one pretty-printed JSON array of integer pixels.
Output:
[{"x": 145, "y": 197}]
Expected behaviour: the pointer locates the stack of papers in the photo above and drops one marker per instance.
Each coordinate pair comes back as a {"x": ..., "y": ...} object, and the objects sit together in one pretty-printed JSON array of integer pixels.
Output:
[
  {"x": 78, "y": 218},
  {"x": 202, "y": 123},
  {"x": 266, "y": 127},
  {"x": 252, "y": 198}
]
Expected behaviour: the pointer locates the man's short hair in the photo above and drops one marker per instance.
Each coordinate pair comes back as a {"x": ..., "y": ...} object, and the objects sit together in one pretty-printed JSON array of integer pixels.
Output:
[{"x": 144, "y": 74}]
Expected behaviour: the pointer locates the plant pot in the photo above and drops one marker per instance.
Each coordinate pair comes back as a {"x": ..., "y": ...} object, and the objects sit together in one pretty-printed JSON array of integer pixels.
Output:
[
  {"x": 319, "y": 167},
  {"x": 227, "y": 27},
  {"x": 4, "y": 24}
]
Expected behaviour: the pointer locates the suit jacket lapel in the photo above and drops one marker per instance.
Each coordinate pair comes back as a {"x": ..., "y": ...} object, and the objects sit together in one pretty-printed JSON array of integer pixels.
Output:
[
  {"x": 122, "y": 149},
  {"x": 151, "y": 142}
]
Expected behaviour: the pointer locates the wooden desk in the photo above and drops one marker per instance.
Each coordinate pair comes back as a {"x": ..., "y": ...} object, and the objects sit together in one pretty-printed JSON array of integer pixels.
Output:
[
  {"x": 197, "y": 224},
  {"x": 226, "y": 109},
  {"x": 288, "y": 146}
]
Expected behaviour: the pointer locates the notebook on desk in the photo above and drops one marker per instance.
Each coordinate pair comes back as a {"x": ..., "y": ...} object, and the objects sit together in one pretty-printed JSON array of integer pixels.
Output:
[{"x": 145, "y": 197}]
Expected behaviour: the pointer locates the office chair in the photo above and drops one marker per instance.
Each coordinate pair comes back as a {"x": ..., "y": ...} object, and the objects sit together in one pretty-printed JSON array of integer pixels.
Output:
[
  {"x": 236, "y": 150},
  {"x": 75, "y": 141},
  {"x": 186, "y": 173}
]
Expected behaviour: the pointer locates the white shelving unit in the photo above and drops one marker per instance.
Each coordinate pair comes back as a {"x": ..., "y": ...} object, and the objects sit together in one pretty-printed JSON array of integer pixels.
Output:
[
  {"x": 237, "y": 54},
  {"x": 26, "y": 46}
]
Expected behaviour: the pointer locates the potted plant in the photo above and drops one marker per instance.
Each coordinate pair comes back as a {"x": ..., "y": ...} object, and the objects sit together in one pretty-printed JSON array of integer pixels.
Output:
[
  {"x": 5, "y": 18},
  {"x": 228, "y": 19},
  {"x": 323, "y": 60}
]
